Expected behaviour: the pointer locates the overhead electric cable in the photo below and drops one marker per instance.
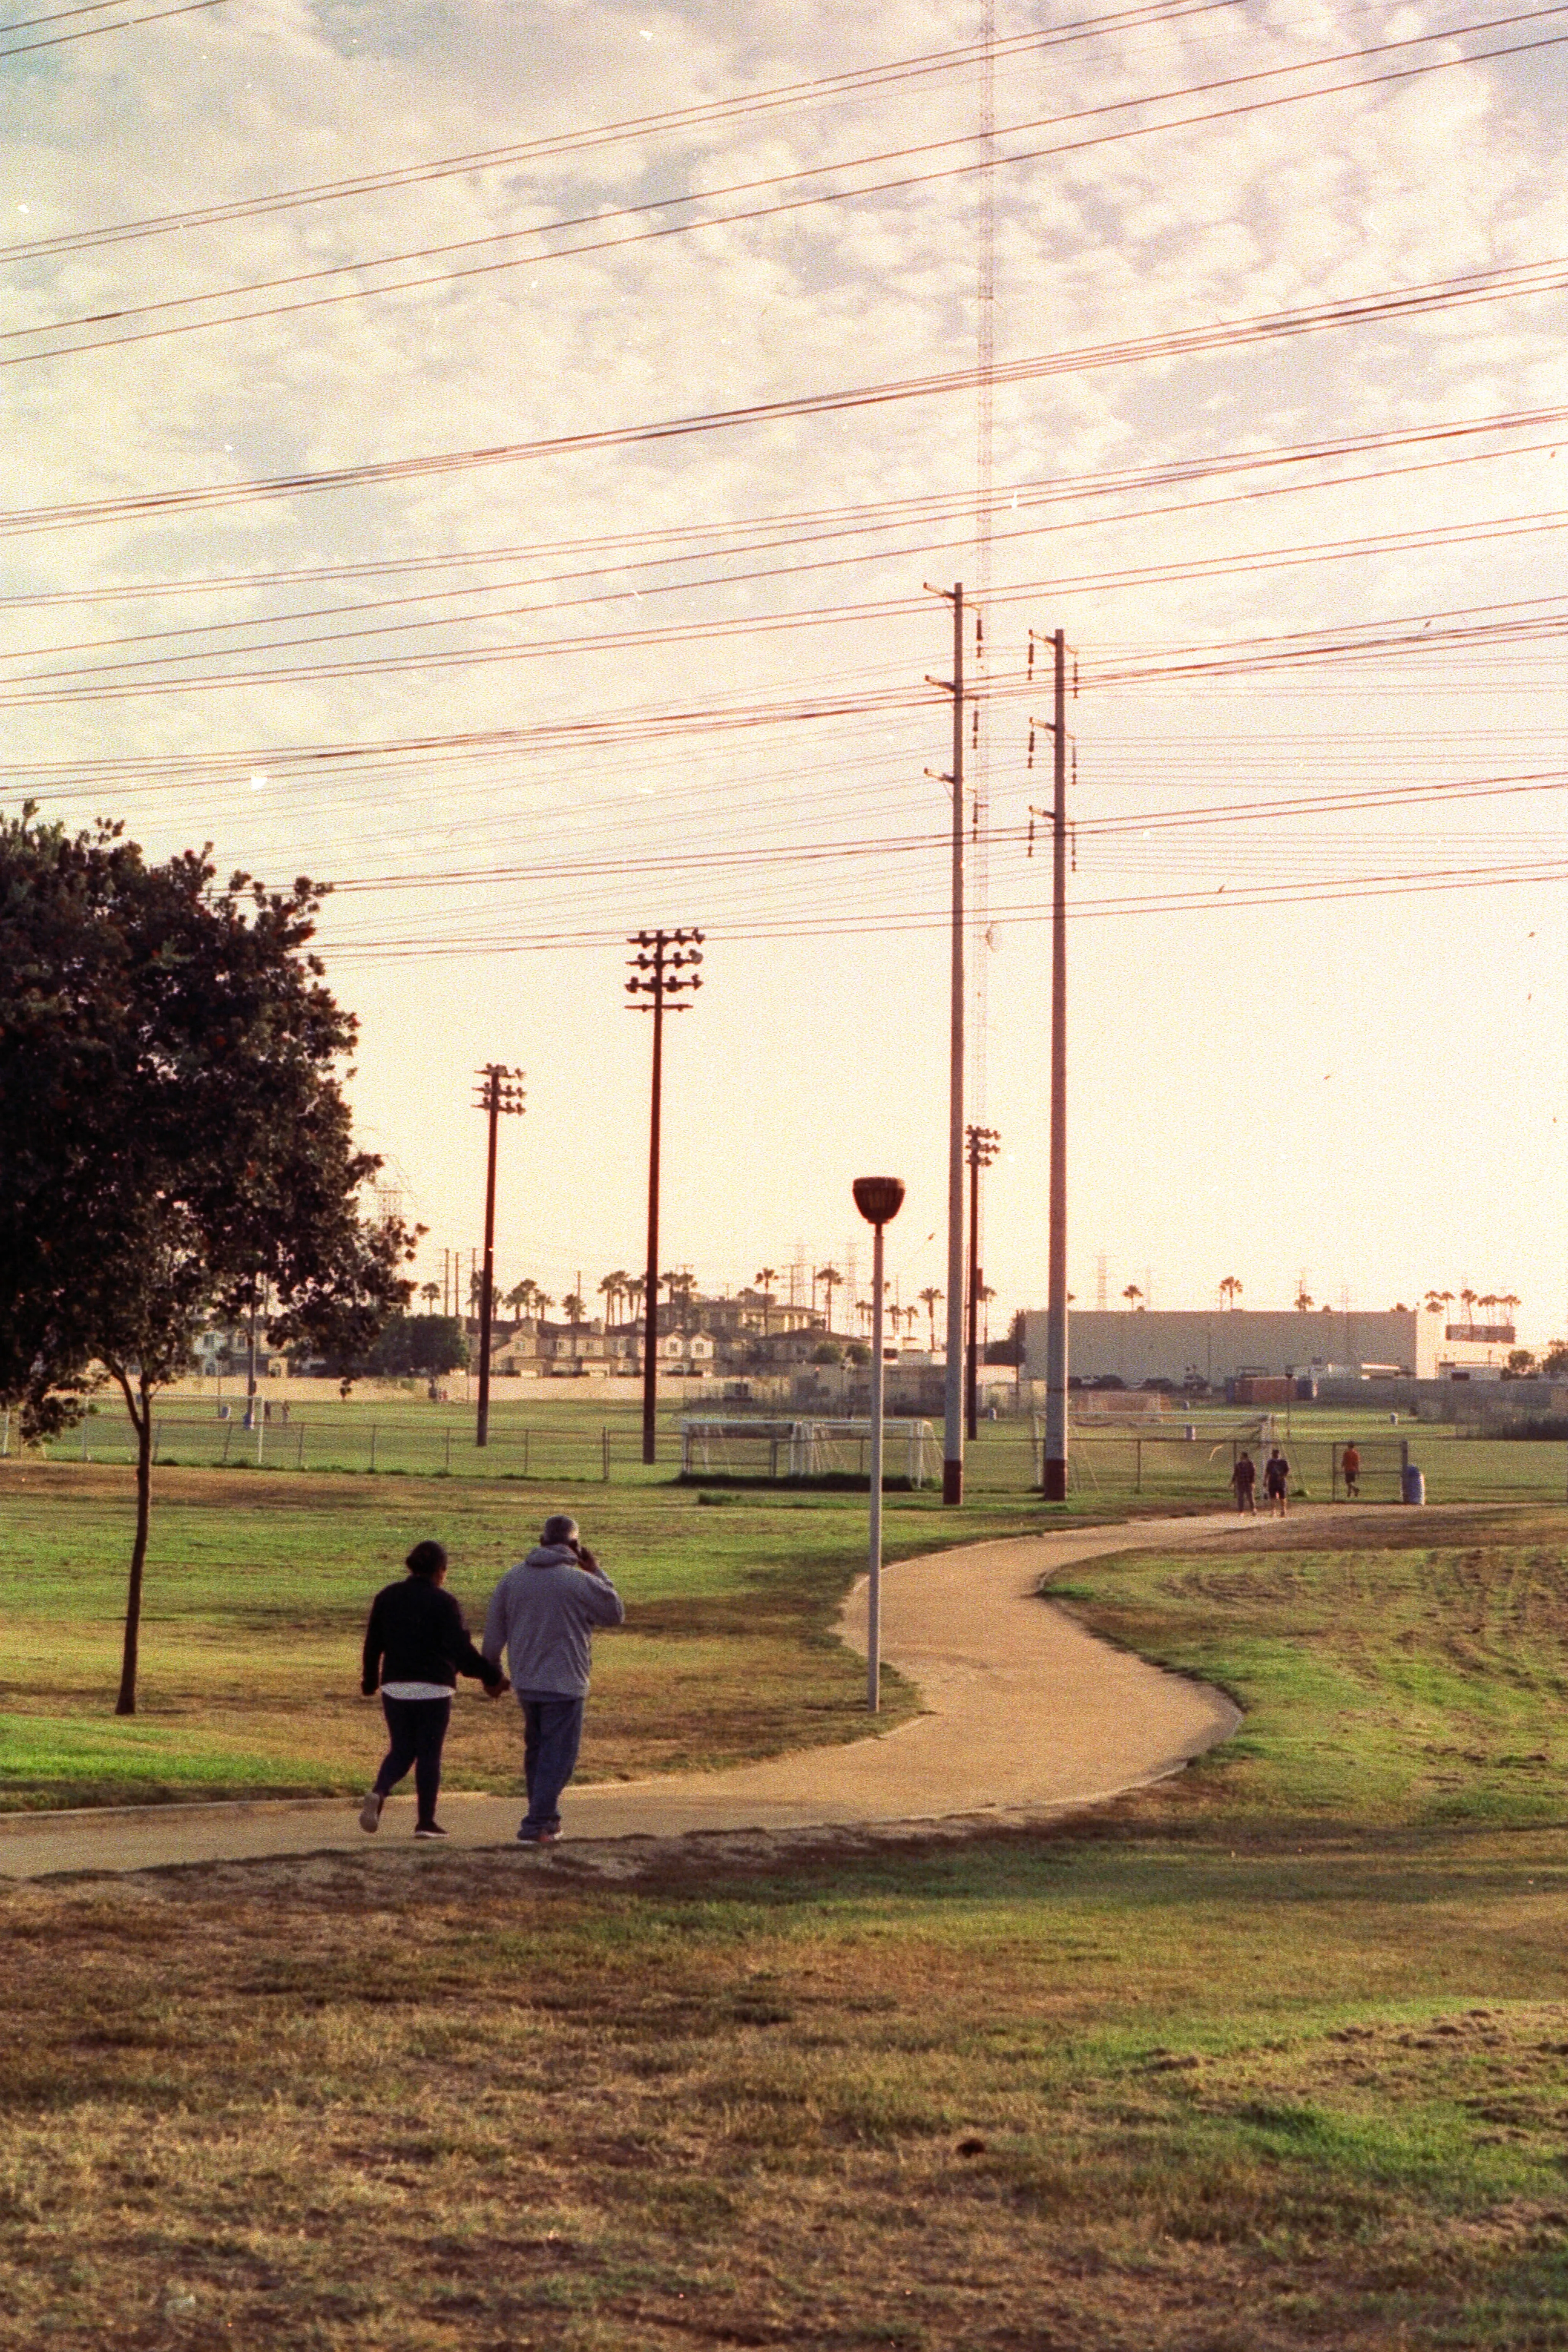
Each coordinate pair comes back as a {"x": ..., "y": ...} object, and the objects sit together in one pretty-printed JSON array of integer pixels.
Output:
[
  {"x": 514, "y": 938},
  {"x": 551, "y": 145},
  {"x": 681, "y": 229},
  {"x": 687, "y": 540},
  {"x": 89, "y": 32},
  {"x": 1241, "y": 562},
  {"x": 1504, "y": 283}
]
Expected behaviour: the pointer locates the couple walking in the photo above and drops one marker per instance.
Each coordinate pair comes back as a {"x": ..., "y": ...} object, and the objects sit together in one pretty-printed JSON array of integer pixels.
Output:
[
  {"x": 1276, "y": 1483},
  {"x": 543, "y": 1614}
]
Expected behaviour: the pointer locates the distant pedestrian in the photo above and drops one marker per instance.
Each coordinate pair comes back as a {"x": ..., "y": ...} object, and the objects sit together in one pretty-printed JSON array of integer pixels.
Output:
[
  {"x": 543, "y": 1614},
  {"x": 415, "y": 1646},
  {"x": 1277, "y": 1482},
  {"x": 1243, "y": 1480},
  {"x": 1350, "y": 1465}
]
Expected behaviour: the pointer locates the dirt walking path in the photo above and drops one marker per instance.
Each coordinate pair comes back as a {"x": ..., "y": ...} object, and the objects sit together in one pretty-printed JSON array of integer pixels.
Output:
[{"x": 1026, "y": 1712}]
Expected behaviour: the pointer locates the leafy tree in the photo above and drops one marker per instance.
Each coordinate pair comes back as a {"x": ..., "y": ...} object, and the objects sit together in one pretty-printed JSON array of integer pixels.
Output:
[
  {"x": 174, "y": 1147},
  {"x": 428, "y": 1345}
]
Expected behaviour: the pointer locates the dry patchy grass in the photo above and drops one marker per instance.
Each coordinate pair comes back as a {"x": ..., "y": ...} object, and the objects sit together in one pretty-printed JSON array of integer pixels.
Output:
[{"x": 1027, "y": 2092}]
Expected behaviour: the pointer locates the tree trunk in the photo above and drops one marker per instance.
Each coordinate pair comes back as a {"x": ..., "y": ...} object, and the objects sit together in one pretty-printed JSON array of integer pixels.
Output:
[{"x": 139, "y": 1405}]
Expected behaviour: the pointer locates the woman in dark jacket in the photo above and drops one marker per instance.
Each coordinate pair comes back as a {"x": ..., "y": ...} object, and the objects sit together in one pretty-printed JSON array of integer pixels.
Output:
[{"x": 415, "y": 1646}]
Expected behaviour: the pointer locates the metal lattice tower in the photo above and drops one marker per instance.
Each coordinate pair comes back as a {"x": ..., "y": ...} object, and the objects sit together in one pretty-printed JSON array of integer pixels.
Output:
[{"x": 985, "y": 360}]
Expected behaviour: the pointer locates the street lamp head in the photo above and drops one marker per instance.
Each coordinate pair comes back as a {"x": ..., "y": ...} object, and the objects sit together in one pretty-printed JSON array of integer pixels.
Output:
[{"x": 879, "y": 1198}]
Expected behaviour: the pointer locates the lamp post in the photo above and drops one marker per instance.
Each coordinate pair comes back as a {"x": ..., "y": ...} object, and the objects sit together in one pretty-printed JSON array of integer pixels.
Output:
[
  {"x": 499, "y": 1091},
  {"x": 879, "y": 1200}
]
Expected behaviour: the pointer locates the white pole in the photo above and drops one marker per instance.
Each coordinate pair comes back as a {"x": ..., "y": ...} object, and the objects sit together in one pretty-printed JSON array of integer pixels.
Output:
[{"x": 874, "y": 1584}]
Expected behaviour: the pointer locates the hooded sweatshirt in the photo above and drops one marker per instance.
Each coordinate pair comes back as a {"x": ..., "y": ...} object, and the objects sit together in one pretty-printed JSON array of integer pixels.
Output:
[{"x": 542, "y": 1613}]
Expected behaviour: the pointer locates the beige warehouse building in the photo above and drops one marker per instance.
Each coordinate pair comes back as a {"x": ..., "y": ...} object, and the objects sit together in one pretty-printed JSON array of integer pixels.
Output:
[{"x": 1219, "y": 1344}]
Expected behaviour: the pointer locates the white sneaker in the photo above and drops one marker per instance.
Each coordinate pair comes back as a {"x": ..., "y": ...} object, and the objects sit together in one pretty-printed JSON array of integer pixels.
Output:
[{"x": 370, "y": 1811}]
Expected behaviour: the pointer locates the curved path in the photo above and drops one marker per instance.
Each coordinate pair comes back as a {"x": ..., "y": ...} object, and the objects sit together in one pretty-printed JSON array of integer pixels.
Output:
[{"x": 1025, "y": 1714}]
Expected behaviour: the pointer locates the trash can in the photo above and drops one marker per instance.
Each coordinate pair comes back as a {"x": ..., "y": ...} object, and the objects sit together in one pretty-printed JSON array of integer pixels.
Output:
[{"x": 1412, "y": 1483}]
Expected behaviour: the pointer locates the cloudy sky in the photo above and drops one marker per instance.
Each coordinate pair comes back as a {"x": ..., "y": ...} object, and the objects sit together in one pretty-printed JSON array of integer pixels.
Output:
[{"x": 339, "y": 531}]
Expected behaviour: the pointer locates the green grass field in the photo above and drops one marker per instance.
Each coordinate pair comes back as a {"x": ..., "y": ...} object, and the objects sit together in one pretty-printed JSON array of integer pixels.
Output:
[
  {"x": 257, "y": 1593},
  {"x": 1271, "y": 2059},
  {"x": 572, "y": 1434}
]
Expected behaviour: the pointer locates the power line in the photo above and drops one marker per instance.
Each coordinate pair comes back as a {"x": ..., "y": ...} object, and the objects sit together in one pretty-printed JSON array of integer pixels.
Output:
[
  {"x": 601, "y": 217},
  {"x": 89, "y": 32},
  {"x": 1241, "y": 562},
  {"x": 1507, "y": 282},
  {"x": 715, "y": 112},
  {"x": 731, "y": 219},
  {"x": 878, "y": 515}
]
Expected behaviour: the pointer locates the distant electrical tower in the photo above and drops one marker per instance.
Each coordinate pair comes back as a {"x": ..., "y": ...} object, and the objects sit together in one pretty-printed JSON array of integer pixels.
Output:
[
  {"x": 984, "y": 374},
  {"x": 1101, "y": 1284}
]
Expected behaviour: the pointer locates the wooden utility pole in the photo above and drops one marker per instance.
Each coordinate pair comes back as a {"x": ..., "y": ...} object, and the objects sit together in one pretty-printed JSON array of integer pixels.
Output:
[
  {"x": 500, "y": 1091},
  {"x": 982, "y": 1142},
  {"x": 952, "y": 1414},
  {"x": 660, "y": 971},
  {"x": 1055, "y": 1481}
]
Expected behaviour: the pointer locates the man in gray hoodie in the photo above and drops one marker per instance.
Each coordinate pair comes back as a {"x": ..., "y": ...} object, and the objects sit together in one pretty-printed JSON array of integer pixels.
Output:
[{"x": 542, "y": 1613}]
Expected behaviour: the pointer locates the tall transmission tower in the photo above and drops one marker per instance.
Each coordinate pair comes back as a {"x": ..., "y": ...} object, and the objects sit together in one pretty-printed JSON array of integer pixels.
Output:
[{"x": 985, "y": 364}]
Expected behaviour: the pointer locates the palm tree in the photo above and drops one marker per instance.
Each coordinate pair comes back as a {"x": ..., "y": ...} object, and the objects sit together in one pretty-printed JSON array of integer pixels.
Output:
[
  {"x": 574, "y": 1307},
  {"x": 681, "y": 1287},
  {"x": 1511, "y": 1300},
  {"x": 831, "y": 1280},
  {"x": 613, "y": 1289},
  {"x": 1132, "y": 1295},
  {"x": 1467, "y": 1301},
  {"x": 1229, "y": 1290},
  {"x": 542, "y": 1302},
  {"x": 520, "y": 1297},
  {"x": 430, "y": 1292},
  {"x": 765, "y": 1276},
  {"x": 476, "y": 1289},
  {"x": 986, "y": 1294},
  {"x": 1303, "y": 1300},
  {"x": 928, "y": 1300}
]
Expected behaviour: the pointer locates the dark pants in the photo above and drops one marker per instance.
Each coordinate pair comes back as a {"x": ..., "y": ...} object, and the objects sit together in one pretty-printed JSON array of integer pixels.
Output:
[
  {"x": 552, "y": 1735},
  {"x": 417, "y": 1729}
]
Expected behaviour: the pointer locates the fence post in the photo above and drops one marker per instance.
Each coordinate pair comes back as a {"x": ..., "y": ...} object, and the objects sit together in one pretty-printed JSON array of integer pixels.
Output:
[{"x": 227, "y": 1437}]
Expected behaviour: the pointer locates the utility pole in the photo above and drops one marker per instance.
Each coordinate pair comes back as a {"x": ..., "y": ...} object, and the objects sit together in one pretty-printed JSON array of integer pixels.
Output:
[
  {"x": 499, "y": 1090},
  {"x": 1056, "y": 1478},
  {"x": 953, "y": 1416},
  {"x": 660, "y": 971},
  {"x": 982, "y": 1142}
]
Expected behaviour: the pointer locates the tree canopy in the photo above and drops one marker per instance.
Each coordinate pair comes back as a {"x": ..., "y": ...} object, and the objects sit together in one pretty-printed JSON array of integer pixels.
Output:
[{"x": 175, "y": 1144}]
